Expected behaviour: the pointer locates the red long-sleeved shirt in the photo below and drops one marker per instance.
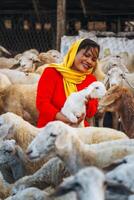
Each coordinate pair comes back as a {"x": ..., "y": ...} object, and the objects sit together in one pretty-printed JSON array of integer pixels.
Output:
[{"x": 51, "y": 96}]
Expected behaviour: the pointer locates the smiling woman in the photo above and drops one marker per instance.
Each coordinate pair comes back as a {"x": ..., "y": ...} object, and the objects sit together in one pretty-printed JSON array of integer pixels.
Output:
[{"x": 58, "y": 81}]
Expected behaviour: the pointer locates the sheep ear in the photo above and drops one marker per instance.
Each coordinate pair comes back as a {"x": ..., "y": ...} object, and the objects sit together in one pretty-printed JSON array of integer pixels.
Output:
[
  {"x": 112, "y": 95},
  {"x": 10, "y": 132},
  {"x": 17, "y": 168},
  {"x": 67, "y": 186},
  {"x": 115, "y": 164},
  {"x": 63, "y": 142}
]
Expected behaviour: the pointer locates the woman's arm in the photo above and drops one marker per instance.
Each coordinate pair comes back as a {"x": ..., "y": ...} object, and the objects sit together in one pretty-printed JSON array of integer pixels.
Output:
[{"x": 45, "y": 89}]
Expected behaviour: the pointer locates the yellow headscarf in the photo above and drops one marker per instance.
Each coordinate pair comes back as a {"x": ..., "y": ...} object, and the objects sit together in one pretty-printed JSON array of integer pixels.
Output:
[{"x": 70, "y": 76}]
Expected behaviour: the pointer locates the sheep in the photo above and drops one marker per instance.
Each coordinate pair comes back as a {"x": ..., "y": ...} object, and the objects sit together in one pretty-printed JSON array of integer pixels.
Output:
[
  {"x": 12, "y": 161},
  {"x": 4, "y": 82},
  {"x": 111, "y": 61},
  {"x": 120, "y": 100},
  {"x": 7, "y": 62},
  {"x": 51, "y": 56},
  {"x": 41, "y": 69},
  {"x": 4, "y": 51},
  {"x": 30, "y": 193},
  {"x": 20, "y": 99},
  {"x": 46, "y": 142},
  {"x": 47, "y": 137},
  {"x": 15, "y": 127},
  {"x": 5, "y": 188},
  {"x": 75, "y": 105},
  {"x": 14, "y": 165},
  {"x": 76, "y": 154},
  {"x": 18, "y": 77},
  {"x": 88, "y": 184},
  {"x": 50, "y": 174},
  {"x": 117, "y": 76},
  {"x": 122, "y": 175},
  {"x": 26, "y": 60},
  {"x": 74, "y": 148}
]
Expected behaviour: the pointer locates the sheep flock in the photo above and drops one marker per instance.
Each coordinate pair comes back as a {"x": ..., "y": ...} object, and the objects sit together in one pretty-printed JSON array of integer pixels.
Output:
[{"x": 61, "y": 161}]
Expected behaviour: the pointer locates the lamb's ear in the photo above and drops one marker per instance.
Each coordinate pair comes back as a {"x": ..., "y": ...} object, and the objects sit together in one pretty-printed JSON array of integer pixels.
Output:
[{"x": 68, "y": 185}]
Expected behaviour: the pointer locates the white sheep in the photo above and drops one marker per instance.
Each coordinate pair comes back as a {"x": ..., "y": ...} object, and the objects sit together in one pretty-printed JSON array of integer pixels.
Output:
[
  {"x": 18, "y": 77},
  {"x": 50, "y": 174},
  {"x": 30, "y": 193},
  {"x": 12, "y": 161},
  {"x": 26, "y": 60},
  {"x": 88, "y": 184},
  {"x": 76, "y": 154},
  {"x": 75, "y": 105},
  {"x": 44, "y": 143},
  {"x": 7, "y": 62},
  {"x": 122, "y": 175},
  {"x": 15, "y": 127},
  {"x": 20, "y": 99},
  {"x": 4, "y": 82},
  {"x": 117, "y": 76}
]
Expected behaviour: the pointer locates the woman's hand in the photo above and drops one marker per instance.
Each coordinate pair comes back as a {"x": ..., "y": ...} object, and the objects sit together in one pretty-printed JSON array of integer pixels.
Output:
[{"x": 63, "y": 118}]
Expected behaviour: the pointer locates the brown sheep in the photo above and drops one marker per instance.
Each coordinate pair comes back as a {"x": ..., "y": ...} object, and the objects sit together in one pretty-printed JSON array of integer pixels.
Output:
[
  {"x": 20, "y": 99},
  {"x": 120, "y": 99}
]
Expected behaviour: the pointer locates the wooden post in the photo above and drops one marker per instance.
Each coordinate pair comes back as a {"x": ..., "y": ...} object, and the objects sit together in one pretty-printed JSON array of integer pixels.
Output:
[
  {"x": 118, "y": 25},
  {"x": 61, "y": 19}
]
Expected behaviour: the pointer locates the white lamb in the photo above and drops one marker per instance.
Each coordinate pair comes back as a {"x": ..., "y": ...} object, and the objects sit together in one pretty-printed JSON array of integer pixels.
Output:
[{"x": 75, "y": 105}]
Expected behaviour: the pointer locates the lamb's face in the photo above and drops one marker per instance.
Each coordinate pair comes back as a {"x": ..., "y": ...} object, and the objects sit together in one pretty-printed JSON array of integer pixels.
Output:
[
  {"x": 98, "y": 89},
  {"x": 43, "y": 145}
]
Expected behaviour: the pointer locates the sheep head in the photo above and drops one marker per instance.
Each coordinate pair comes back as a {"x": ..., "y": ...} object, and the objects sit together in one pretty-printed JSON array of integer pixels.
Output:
[
  {"x": 7, "y": 121},
  {"x": 43, "y": 145},
  {"x": 88, "y": 183},
  {"x": 10, "y": 157},
  {"x": 96, "y": 90}
]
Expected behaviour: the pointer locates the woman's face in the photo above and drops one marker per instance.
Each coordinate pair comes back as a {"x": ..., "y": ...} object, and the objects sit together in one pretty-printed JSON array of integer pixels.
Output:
[{"x": 85, "y": 60}]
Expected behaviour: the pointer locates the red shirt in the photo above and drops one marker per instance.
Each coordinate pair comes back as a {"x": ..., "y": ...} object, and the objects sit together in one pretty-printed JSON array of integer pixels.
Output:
[{"x": 51, "y": 96}]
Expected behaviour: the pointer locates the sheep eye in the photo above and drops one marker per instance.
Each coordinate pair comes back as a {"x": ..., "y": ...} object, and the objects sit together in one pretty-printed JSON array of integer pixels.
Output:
[
  {"x": 52, "y": 135},
  {"x": 117, "y": 56},
  {"x": 78, "y": 185},
  {"x": 8, "y": 151},
  {"x": 97, "y": 88}
]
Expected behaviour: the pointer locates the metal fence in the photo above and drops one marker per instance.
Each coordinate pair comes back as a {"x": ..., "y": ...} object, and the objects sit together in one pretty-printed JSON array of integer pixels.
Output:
[{"x": 21, "y": 32}]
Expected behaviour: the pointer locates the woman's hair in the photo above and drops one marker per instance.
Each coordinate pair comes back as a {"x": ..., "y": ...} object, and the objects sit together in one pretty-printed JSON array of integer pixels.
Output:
[{"x": 87, "y": 44}]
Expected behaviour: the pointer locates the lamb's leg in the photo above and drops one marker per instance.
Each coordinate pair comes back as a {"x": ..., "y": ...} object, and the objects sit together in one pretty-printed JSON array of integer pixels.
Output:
[{"x": 50, "y": 174}]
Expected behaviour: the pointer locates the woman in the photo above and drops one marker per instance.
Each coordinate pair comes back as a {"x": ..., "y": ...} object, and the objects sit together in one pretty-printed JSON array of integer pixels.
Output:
[{"x": 58, "y": 81}]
